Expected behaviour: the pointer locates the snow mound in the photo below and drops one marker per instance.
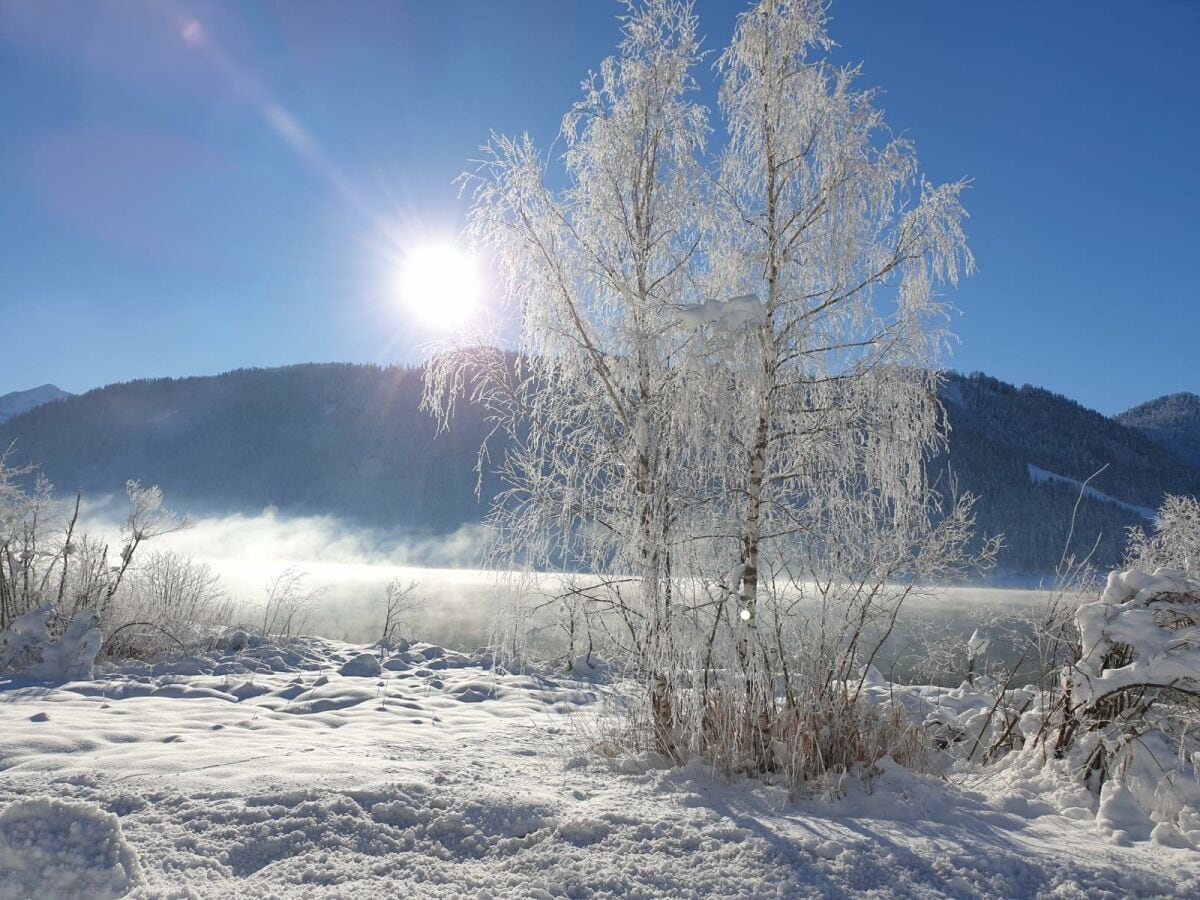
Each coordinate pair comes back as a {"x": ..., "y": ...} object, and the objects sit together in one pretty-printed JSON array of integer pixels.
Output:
[
  {"x": 57, "y": 848},
  {"x": 365, "y": 665}
]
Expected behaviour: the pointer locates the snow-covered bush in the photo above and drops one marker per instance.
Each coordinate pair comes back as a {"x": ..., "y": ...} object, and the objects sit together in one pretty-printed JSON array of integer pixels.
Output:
[
  {"x": 1120, "y": 716},
  {"x": 1128, "y": 708},
  {"x": 27, "y": 647},
  {"x": 170, "y": 601},
  {"x": 1139, "y": 662},
  {"x": 47, "y": 563},
  {"x": 21, "y": 643},
  {"x": 1111, "y": 700}
]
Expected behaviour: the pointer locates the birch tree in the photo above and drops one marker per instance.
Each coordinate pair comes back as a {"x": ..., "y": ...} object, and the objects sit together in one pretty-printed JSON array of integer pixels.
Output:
[
  {"x": 834, "y": 246},
  {"x": 723, "y": 388},
  {"x": 593, "y": 274},
  {"x": 824, "y": 218}
]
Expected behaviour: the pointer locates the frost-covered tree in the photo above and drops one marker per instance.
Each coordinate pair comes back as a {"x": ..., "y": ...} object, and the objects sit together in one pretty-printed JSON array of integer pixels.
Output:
[
  {"x": 832, "y": 247},
  {"x": 593, "y": 273},
  {"x": 823, "y": 218},
  {"x": 723, "y": 390},
  {"x": 147, "y": 518},
  {"x": 1173, "y": 540},
  {"x": 400, "y": 603}
]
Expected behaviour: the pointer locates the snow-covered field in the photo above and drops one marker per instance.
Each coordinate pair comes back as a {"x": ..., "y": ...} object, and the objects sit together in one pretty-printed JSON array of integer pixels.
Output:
[{"x": 283, "y": 771}]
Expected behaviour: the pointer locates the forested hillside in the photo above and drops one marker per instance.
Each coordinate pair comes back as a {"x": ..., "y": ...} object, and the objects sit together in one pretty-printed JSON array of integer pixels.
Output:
[
  {"x": 350, "y": 441},
  {"x": 999, "y": 430},
  {"x": 344, "y": 440},
  {"x": 1172, "y": 422}
]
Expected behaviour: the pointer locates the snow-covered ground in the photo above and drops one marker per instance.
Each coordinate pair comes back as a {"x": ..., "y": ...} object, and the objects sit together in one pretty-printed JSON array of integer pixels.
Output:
[{"x": 286, "y": 772}]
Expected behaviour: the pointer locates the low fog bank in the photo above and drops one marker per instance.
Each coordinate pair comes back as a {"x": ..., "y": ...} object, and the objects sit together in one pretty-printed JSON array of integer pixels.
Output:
[
  {"x": 458, "y": 602},
  {"x": 349, "y": 566}
]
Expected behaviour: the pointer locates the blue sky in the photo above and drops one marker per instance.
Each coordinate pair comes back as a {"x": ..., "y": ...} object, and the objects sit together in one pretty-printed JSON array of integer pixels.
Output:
[{"x": 178, "y": 201}]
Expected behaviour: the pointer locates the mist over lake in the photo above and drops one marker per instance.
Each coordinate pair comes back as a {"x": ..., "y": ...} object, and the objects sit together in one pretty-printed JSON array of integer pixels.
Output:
[{"x": 459, "y": 603}]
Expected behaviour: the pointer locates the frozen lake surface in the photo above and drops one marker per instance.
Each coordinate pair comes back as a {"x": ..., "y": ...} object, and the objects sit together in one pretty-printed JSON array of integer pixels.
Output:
[
  {"x": 460, "y": 606},
  {"x": 460, "y": 603}
]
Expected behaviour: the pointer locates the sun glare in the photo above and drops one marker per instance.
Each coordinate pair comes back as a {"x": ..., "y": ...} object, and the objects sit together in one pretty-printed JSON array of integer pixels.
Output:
[{"x": 440, "y": 284}]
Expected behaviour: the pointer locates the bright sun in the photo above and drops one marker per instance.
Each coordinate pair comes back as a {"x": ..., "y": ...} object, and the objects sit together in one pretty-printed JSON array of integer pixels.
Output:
[{"x": 440, "y": 284}]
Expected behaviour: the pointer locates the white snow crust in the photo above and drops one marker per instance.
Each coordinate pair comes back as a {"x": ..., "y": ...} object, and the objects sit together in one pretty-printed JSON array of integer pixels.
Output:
[
  {"x": 61, "y": 848},
  {"x": 266, "y": 772}
]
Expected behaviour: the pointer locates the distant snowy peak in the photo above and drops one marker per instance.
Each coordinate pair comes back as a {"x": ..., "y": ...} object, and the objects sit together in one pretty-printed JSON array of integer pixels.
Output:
[
  {"x": 1172, "y": 422},
  {"x": 23, "y": 401}
]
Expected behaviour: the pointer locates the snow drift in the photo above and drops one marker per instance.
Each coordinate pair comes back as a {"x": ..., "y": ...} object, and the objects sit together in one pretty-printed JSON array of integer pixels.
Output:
[{"x": 59, "y": 848}]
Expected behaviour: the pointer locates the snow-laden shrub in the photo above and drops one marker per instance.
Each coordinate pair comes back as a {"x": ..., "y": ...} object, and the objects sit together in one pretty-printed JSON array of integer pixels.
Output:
[
  {"x": 27, "y": 647},
  {"x": 1142, "y": 633},
  {"x": 1139, "y": 662},
  {"x": 980, "y": 721},
  {"x": 1123, "y": 717},
  {"x": 47, "y": 560},
  {"x": 21, "y": 642}
]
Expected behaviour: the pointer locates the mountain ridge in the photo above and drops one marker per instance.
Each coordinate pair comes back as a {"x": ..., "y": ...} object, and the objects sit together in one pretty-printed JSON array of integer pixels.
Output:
[
  {"x": 350, "y": 441},
  {"x": 1172, "y": 421},
  {"x": 15, "y": 403}
]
